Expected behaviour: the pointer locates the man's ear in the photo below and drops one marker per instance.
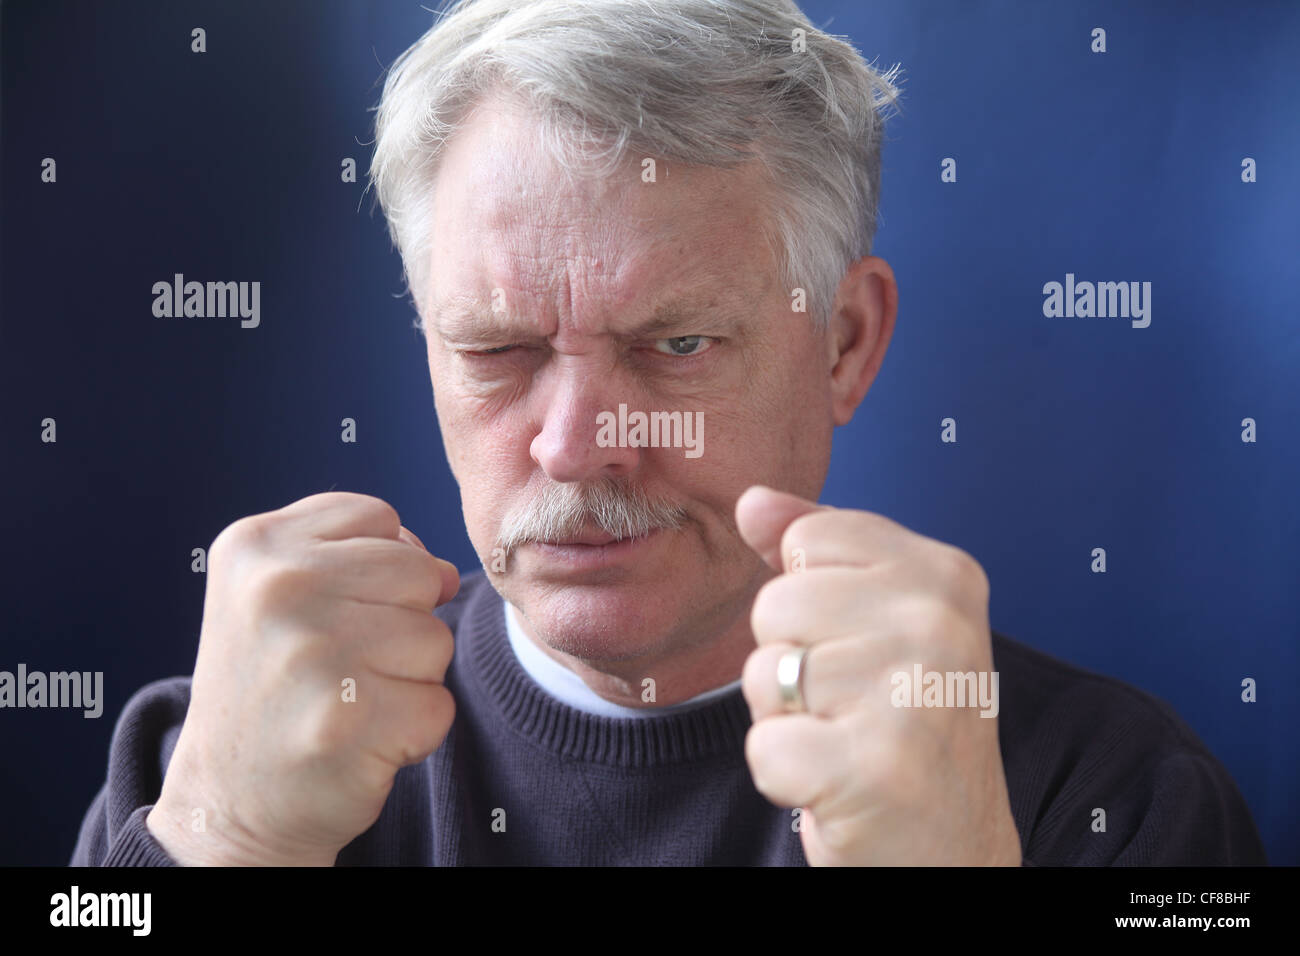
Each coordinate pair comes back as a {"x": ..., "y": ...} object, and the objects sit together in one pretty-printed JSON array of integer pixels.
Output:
[{"x": 861, "y": 326}]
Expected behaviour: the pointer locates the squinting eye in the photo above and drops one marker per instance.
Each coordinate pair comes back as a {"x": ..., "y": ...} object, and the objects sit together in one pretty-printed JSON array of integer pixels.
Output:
[
  {"x": 496, "y": 351},
  {"x": 684, "y": 345}
]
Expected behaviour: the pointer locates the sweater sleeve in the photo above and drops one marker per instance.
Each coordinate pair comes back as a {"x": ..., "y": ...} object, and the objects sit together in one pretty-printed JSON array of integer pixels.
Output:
[
  {"x": 114, "y": 832},
  {"x": 1144, "y": 792},
  {"x": 1102, "y": 773},
  {"x": 1194, "y": 815},
  {"x": 1172, "y": 807}
]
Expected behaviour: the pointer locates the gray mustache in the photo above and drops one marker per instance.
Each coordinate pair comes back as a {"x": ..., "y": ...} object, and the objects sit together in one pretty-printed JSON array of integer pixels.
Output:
[{"x": 563, "y": 510}]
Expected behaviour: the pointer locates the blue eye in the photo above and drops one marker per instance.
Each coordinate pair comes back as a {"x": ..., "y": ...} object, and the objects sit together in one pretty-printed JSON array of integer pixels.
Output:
[
  {"x": 685, "y": 345},
  {"x": 496, "y": 351}
]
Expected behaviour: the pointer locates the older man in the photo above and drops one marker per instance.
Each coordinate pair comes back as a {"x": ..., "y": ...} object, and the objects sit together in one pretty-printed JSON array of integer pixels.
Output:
[{"x": 667, "y": 208}]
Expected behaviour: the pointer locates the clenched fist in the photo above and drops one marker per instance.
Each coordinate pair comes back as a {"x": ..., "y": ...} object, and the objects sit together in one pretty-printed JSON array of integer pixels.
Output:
[
  {"x": 879, "y": 783},
  {"x": 286, "y": 759}
]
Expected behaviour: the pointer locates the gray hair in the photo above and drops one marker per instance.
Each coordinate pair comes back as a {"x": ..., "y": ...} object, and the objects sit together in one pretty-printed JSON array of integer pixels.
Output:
[
  {"x": 705, "y": 82},
  {"x": 561, "y": 509}
]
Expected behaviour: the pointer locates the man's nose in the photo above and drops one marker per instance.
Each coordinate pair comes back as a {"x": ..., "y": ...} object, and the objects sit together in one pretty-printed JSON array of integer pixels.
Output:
[{"x": 566, "y": 447}]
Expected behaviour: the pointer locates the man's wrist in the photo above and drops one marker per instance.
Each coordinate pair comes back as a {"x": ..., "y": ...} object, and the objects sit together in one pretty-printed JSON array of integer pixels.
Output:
[{"x": 203, "y": 848}]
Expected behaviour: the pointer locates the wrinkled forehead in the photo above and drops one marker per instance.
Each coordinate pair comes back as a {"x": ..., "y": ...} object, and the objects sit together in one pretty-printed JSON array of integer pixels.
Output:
[{"x": 511, "y": 221}]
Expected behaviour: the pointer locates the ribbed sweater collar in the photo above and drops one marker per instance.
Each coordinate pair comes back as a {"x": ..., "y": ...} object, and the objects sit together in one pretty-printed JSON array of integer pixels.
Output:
[{"x": 712, "y": 731}]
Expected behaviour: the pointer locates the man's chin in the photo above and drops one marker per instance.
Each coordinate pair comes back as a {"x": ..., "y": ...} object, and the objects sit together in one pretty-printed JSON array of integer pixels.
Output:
[{"x": 597, "y": 621}]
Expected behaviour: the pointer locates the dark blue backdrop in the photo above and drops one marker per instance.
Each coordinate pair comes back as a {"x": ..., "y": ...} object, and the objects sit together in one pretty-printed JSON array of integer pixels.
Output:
[{"x": 1072, "y": 433}]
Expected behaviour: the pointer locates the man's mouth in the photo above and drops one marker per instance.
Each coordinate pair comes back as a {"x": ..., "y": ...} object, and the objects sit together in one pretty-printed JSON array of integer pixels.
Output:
[{"x": 595, "y": 549}]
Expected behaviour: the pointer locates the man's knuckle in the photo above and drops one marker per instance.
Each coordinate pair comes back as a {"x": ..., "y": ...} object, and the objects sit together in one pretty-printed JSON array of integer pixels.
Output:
[
  {"x": 962, "y": 573},
  {"x": 439, "y": 652},
  {"x": 379, "y": 511},
  {"x": 798, "y": 536},
  {"x": 752, "y": 675},
  {"x": 250, "y": 533},
  {"x": 432, "y": 723},
  {"x": 769, "y": 599}
]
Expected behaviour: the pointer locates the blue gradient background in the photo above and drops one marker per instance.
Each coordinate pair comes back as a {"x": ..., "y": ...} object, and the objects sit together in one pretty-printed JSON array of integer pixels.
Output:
[{"x": 1073, "y": 433}]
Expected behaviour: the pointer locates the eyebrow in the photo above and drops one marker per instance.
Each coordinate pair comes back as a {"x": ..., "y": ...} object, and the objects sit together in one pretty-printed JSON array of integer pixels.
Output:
[
  {"x": 470, "y": 323},
  {"x": 462, "y": 324}
]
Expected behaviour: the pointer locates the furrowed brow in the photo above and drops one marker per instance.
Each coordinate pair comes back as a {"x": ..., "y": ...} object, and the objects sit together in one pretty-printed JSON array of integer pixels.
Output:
[
  {"x": 462, "y": 325},
  {"x": 468, "y": 324}
]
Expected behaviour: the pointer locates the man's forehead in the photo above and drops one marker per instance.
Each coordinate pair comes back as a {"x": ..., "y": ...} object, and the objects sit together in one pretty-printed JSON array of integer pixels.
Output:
[
  {"x": 521, "y": 246},
  {"x": 526, "y": 232}
]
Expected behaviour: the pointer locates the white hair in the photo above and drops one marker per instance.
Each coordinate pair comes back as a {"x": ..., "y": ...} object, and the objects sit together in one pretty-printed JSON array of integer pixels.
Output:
[{"x": 704, "y": 82}]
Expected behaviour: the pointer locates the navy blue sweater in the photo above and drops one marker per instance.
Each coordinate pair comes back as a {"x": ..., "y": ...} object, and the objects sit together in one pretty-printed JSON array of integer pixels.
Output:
[{"x": 675, "y": 789}]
